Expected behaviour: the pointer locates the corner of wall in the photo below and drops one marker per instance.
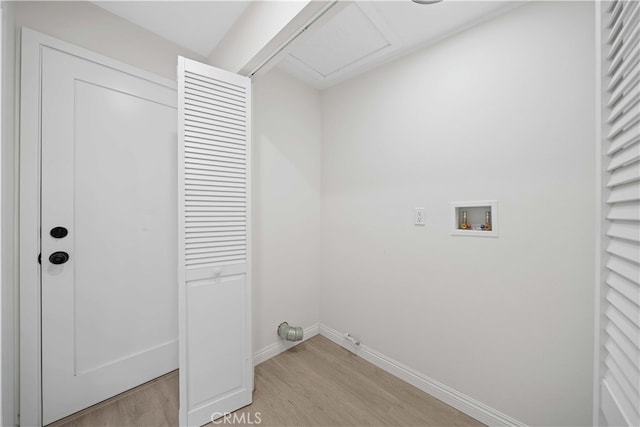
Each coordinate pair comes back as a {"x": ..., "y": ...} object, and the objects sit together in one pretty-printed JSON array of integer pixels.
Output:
[
  {"x": 286, "y": 203},
  {"x": 279, "y": 346}
]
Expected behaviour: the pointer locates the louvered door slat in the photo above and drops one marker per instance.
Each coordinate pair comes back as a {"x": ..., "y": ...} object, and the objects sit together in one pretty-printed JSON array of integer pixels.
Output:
[
  {"x": 198, "y": 173},
  {"x": 216, "y": 252},
  {"x": 624, "y": 305},
  {"x": 219, "y": 139},
  {"x": 203, "y": 95},
  {"x": 225, "y": 87},
  {"x": 232, "y": 194},
  {"x": 216, "y": 364},
  {"x": 625, "y": 121},
  {"x": 216, "y": 93},
  {"x": 212, "y": 201},
  {"x": 216, "y": 87},
  {"x": 626, "y": 231},
  {"x": 624, "y": 212},
  {"x": 623, "y": 324},
  {"x": 195, "y": 178},
  {"x": 214, "y": 136},
  {"x": 197, "y": 122},
  {"x": 624, "y": 268},
  {"x": 630, "y": 351},
  {"x": 199, "y": 247},
  {"x": 626, "y": 106},
  {"x": 625, "y": 364},
  {"x": 623, "y": 45},
  {"x": 625, "y": 19},
  {"x": 617, "y": 380},
  {"x": 628, "y": 15},
  {"x": 627, "y": 250},
  {"x": 206, "y": 113},
  {"x": 195, "y": 247},
  {"x": 222, "y": 206},
  {"x": 196, "y": 164},
  {"x": 214, "y": 256},
  {"x": 206, "y": 237},
  {"x": 622, "y": 400},
  {"x": 627, "y": 72},
  {"x": 224, "y": 186},
  {"x": 615, "y": 10},
  {"x": 626, "y": 156},
  {"x": 215, "y": 90},
  {"x": 624, "y": 193},
  {"x": 215, "y": 121},
  {"x": 207, "y": 158},
  {"x": 614, "y": 363},
  {"x": 624, "y": 287},
  {"x": 213, "y": 244},
  {"x": 213, "y": 97},
  {"x": 626, "y": 81},
  {"x": 620, "y": 343},
  {"x": 213, "y": 107},
  {"x": 230, "y": 129},
  {"x": 197, "y": 210},
  {"x": 202, "y": 148},
  {"x": 624, "y": 139}
]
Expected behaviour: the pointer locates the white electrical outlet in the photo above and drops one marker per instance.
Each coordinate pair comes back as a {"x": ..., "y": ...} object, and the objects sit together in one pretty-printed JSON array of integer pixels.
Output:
[{"x": 418, "y": 217}]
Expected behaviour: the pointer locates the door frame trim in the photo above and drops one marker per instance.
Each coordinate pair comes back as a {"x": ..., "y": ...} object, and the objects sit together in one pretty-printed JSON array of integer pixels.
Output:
[{"x": 29, "y": 273}]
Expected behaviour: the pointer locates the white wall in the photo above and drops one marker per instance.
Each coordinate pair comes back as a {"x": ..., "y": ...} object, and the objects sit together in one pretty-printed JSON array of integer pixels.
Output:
[
  {"x": 286, "y": 211},
  {"x": 503, "y": 111},
  {"x": 86, "y": 25}
]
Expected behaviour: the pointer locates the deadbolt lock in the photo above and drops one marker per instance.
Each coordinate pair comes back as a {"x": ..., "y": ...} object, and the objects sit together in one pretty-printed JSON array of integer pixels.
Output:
[{"x": 58, "y": 258}]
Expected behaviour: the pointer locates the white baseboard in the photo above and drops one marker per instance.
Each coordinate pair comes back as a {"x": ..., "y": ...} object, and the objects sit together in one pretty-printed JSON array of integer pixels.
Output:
[
  {"x": 281, "y": 345},
  {"x": 460, "y": 401}
]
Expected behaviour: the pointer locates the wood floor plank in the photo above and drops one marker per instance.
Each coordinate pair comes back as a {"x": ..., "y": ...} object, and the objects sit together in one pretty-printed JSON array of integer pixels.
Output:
[
  {"x": 316, "y": 383},
  {"x": 151, "y": 404}
]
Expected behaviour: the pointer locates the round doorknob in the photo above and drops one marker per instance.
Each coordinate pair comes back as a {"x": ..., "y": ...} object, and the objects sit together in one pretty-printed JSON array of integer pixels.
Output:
[
  {"x": 58, "y": 258},
  {"x": 59, "y": 232}
]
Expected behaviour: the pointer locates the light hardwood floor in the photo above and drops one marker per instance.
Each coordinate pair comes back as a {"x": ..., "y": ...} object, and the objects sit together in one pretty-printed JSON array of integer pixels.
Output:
[
  {"x": 153, "y": 404},
  {"x": 316, "y": 383}
]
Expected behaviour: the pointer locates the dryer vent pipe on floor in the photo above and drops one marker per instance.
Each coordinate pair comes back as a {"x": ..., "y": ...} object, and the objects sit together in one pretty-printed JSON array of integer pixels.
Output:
[{"x": 290, "y": 333}]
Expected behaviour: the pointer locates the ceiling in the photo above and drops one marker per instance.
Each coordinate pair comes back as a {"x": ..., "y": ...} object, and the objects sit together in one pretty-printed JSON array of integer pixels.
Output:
[
  {"x": 367, "y": 34},
  {"x": 196, "y": 25},
  {"x": 360, "y": 37}
]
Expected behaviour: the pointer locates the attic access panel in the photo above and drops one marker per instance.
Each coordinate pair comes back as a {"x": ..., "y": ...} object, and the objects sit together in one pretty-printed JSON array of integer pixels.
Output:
[{"x": 348, "y": 38}]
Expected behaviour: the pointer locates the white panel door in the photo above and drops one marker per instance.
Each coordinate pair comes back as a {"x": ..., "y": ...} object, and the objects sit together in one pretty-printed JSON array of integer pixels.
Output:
[
  {"x": 109, "y": 313},
  {"x": 216, "y": 365}
]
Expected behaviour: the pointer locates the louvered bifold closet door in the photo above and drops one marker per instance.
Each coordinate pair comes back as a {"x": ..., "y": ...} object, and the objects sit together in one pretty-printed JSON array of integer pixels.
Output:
[
  {"x": 620, "y": 369},
  {"x": 216, "y": 366}
]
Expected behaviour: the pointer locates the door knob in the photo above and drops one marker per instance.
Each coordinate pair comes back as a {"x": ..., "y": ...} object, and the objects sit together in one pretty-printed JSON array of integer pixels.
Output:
[
  {"x": 58, "y": 258},
  {"x": 58, "y": 232}
]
